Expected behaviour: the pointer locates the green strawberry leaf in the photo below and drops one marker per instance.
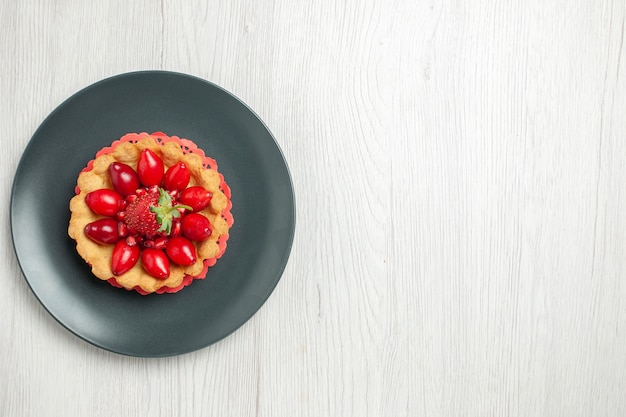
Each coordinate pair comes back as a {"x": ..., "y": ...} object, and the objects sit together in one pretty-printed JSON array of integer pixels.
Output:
[{"x": 165, "y": 212}]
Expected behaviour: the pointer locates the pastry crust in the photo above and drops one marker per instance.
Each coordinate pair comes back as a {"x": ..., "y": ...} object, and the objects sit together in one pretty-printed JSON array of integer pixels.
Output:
[{"x": 127, "y": 151}]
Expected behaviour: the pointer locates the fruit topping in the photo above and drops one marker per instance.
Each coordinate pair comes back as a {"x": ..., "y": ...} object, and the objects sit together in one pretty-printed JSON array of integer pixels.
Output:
[
  {"x": 138, "y": 216},
  {"x": 149, "y": 168},
  {"x": 166, "y": 211},
  {"x": 103, "y": 231},
  {"x": 177, "y": 177},
  {"x": 196, "y": 227},
  {"x": 104, "y": 202},
  {"x": 124, "y": 178},
  {"x": 124, "y": 257},
  {"x": 146, "y": 221},
  {"x": 155, "y": 263},
  {"x": 196, "y": 197},
  {"x": 181, "y": 251}
]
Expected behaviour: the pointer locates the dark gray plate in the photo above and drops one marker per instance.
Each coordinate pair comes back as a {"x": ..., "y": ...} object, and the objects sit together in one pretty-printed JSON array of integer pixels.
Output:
[{"x": 263, "y": 207}]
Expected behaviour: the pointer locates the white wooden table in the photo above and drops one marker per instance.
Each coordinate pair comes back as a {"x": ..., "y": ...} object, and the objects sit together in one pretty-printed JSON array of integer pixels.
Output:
[{"x": 460, "y": 174}]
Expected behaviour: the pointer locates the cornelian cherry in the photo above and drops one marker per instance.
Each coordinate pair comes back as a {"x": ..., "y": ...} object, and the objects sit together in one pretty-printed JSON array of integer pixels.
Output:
[
  {"x": 176, "y": 177},
  {"x": 181, "y": 251},
  {"x": 124, "y": 178},
  {"x": 195, "y": 226},
  {"x": 103, "y": 231},
  {"x": 196, "y": 197},
  {"x": 149, "y": 168},
  {"x": 124, "y": 257},
  {"x": 155, "y": 262},
  {"x": 104, "y": 202}
]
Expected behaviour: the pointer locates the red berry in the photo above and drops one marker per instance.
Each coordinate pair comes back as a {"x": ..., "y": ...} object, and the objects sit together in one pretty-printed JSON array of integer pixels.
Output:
[
  {"x": 161, "y": 242},
  {"x": 103, "y": 231},
  {"x": 104, "y": 202},
  {"x": 176, "y": 227},
  {"x": 196, "y": 227},
  {"x": 138, "y": 217},
  {"x": 122, "y": 230},
  {"x": 196, "y": 197},
  {"x": 124, "y": 178},
  {"x": 181, "y": 251},
  {"x": 150, "y": 168},
  {"x": 177, "y": 177},
  {"x": 155, "y": 262},
  {"x": 124, "y": 257}
]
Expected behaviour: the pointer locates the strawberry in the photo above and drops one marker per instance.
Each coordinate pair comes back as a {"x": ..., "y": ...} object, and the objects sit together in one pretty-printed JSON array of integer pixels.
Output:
[
  {"x": 138, "y": 217},
  {"x": 151, "y": 211}
]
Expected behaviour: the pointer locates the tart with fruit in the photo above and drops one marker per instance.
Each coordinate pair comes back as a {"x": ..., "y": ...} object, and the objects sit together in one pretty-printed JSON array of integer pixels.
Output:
[{"x": 151, "y": 213}]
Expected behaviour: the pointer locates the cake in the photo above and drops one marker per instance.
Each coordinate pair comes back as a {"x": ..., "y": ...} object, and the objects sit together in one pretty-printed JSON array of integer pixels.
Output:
[{"x": 151, "y": 213}]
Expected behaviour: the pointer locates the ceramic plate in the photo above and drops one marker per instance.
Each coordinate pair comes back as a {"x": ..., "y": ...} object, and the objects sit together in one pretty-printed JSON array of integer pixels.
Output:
[{"x": 263, "y": 208}]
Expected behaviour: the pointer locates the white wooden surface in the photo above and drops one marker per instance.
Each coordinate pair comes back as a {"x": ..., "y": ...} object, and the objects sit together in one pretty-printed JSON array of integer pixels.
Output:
[{"x": 461, "y": 183}]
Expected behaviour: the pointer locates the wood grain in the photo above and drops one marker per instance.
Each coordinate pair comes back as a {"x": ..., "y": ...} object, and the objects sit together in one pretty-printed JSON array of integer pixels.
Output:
[{"x": 459, "y": 170}]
